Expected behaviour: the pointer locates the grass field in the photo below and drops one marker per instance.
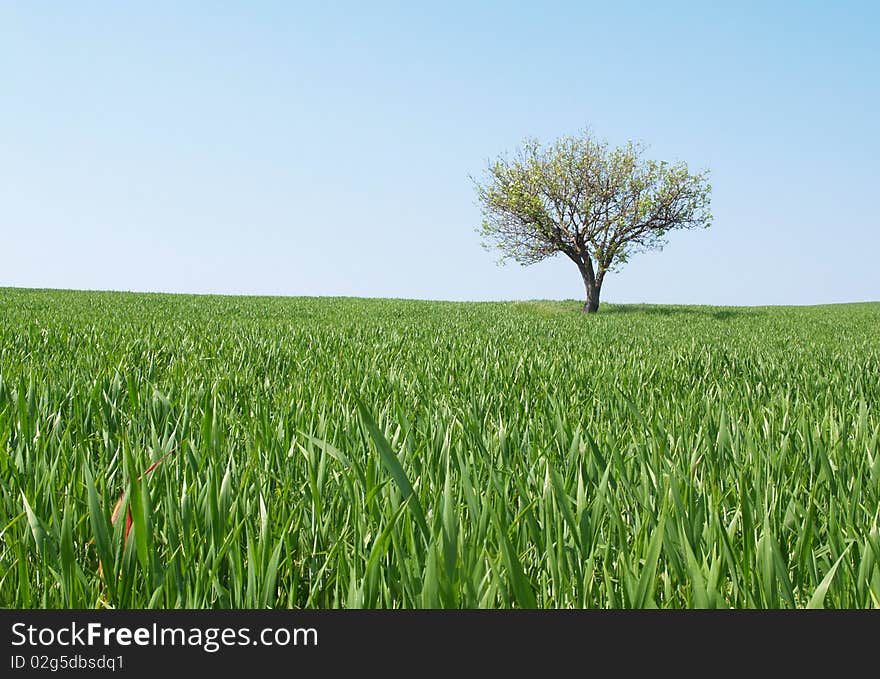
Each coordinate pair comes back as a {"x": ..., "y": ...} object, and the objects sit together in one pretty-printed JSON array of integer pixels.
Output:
[{"x": 383, "y": 453}]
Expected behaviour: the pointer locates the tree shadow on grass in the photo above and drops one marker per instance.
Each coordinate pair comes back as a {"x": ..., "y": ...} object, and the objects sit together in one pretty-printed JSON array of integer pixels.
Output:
[{"x": 715, "y": 313}]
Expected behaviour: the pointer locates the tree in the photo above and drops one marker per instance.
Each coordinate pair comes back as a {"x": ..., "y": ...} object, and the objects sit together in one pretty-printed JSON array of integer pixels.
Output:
[{"x": 594, "y": 204}]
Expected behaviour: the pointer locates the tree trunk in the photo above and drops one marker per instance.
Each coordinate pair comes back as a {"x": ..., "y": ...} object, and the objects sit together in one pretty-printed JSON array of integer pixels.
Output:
[
  {"x": 593, "y": 284},
  {"x": 591, "y": 306}
]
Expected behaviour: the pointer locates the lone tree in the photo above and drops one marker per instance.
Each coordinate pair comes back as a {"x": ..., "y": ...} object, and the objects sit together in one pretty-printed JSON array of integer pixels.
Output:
[{"x": 595, "y": 204}]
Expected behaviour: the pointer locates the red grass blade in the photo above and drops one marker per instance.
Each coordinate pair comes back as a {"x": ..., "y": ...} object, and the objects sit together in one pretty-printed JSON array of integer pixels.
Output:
[{"x": 114, "y": 517}]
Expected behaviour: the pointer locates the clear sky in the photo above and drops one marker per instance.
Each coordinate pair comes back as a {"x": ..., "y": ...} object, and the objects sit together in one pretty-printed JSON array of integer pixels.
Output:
[{"x": 324, "y": 149}]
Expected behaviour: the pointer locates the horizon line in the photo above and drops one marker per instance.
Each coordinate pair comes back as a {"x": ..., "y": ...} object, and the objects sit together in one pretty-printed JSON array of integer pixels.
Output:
[{"x": 424, "y": 299}]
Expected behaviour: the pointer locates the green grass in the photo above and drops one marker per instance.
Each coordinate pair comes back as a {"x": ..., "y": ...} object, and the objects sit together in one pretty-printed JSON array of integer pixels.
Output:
[{"x": 383, "y": 453}]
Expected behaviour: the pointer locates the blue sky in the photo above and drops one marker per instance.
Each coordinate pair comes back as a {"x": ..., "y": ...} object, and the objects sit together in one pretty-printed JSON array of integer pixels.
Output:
[{"x": 302, "y": 149}]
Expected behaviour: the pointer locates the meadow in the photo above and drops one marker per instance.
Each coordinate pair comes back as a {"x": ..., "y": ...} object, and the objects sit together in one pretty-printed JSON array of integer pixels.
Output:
[{"x": 341, "y": 452}]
